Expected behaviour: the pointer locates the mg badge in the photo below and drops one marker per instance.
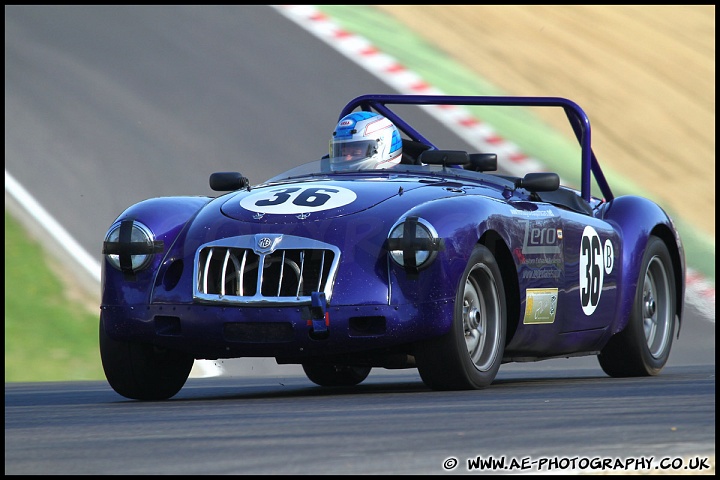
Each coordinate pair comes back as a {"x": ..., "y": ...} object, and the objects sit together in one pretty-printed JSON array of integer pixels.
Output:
[{"x": 265, "y": 243}]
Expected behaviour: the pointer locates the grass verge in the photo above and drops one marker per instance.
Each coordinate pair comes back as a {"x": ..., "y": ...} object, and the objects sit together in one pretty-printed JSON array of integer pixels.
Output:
[{"x": 47, "y": 337}]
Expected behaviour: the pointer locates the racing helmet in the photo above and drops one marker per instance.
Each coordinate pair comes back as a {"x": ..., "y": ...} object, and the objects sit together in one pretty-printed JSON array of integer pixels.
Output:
[{"x": 363, "y": 141}]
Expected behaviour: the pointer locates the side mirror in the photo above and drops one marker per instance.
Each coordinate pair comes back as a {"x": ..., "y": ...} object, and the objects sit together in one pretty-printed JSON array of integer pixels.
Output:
[{"x": 228, "y": 181}]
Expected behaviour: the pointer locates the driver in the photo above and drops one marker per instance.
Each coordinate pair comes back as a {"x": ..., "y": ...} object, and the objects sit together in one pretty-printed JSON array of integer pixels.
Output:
[{"x": 364, "y": 141}]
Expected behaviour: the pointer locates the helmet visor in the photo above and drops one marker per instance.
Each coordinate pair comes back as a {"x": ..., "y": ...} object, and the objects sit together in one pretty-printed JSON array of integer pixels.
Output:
[{"x": 351, "y": 151}]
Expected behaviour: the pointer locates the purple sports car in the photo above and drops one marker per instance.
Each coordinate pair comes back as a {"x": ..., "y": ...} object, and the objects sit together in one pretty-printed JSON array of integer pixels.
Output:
[{"x": 433, "y": 261}]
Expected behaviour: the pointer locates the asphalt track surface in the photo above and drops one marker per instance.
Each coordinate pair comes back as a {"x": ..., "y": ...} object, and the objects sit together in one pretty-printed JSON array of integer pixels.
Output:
[
  {"x": 108, "y": 106},
  {"x": 390, "y": 424}
]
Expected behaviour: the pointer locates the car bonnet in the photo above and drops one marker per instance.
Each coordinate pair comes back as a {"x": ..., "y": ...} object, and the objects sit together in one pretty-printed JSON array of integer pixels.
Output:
[{"x": 314, "y": 200}]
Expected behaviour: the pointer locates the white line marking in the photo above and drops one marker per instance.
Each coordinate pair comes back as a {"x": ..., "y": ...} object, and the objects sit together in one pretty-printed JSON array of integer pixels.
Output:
[
  {"x": 53, "y": 228},
  {"x": 201, "y": 368}
]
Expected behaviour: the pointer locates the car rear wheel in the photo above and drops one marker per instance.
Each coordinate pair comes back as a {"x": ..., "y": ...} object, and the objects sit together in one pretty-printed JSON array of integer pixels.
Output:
[
  {"x": 335, "y": 375},
  {"x": 142, "y": 371},
  {"x": 469, "y": 356},
  {"x": 643, "y": 347}
]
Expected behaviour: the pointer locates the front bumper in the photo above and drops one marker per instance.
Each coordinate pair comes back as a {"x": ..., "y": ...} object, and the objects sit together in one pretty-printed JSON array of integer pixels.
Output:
[{"x": 213, "y": 331}]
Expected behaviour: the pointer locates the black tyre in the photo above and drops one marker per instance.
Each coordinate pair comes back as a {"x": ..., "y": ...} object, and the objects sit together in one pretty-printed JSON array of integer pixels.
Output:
[
  {"x": 469, "y": 356},
  {"x": 643, "y": 347},
  {"x": 335, "y": 375},
  {"x": 141, "y": 371}
]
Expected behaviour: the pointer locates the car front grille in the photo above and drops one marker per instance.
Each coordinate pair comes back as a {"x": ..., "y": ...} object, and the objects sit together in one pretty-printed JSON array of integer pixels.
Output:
[{"x": 264, "y": 268}]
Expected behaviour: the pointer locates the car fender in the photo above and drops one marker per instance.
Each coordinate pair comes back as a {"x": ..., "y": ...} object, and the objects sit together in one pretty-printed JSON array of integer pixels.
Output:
[
  {"x": 460, "y": 222},
  {"x": 165, "y": 217},
  {"x": 636, "y": 219}
]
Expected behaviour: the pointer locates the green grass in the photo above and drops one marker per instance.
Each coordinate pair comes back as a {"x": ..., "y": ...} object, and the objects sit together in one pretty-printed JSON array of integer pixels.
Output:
[{"x": 47, "y": 336}]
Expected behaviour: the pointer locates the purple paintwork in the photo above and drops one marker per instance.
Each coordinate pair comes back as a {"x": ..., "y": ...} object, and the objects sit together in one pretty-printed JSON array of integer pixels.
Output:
[{"x": 543, "y": 249}]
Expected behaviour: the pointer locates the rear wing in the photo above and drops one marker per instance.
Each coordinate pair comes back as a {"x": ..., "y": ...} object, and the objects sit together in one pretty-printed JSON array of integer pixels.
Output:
[{"x": 578, "y": 119}]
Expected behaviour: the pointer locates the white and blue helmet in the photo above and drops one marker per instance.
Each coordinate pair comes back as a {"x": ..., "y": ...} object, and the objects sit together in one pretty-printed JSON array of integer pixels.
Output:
[{"x": 363, "y": 141}]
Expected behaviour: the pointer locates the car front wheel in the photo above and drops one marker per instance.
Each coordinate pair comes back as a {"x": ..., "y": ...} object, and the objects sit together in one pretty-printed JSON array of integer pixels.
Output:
[
  {"x": 643, "y": 347},
  {"x": 141, "y": 371},
  {"x": 469, "y": 356}
]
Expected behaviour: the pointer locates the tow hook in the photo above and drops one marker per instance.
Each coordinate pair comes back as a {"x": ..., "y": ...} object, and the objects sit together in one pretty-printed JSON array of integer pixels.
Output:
[{"x": 319, "y": 320}]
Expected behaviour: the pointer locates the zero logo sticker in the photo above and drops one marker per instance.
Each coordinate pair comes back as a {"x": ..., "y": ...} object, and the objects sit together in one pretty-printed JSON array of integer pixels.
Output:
[
  {"x": 294, "y": 200},
  {"x": 595, "y": 261}
]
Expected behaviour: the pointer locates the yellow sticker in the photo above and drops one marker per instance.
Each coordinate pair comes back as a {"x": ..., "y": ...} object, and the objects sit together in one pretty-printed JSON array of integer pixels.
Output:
[{"x": 540, "y": 305}]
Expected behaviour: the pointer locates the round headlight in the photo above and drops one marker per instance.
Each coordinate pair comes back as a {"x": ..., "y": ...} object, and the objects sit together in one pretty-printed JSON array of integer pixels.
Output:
[
  {"x": 141, "y": 238},
  {"x": 416, "y": 237}
]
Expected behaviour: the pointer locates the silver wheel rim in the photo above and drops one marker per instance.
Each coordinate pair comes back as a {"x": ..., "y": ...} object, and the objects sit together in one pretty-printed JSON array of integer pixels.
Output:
[
  {"x": 481, "y": 317},
  {"x": 656, "y": 311}
]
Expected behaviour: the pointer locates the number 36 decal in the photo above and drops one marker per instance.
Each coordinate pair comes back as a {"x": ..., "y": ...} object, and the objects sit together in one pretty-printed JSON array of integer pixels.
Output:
[
  {"x": 294, "y": 200},
  {"x": 595, "y": 261}
]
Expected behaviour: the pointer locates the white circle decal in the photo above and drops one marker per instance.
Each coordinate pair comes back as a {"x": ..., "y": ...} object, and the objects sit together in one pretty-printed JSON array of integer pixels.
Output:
[
  {"x": 592, "y": 269},
  {"x": 298, "y": 199}
]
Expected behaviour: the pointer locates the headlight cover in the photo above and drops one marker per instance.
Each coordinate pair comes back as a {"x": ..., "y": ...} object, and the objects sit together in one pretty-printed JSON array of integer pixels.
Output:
[
  {"x": 129, "y": 246},
  {"x": 413, "y": 243}
]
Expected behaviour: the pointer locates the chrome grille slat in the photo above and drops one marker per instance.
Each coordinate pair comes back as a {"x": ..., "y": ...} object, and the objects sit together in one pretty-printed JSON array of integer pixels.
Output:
[
  {"x": 207, "y": 269},
  {"x": 260, "y": 272},
  {"x": 282, "y": 272},
  {"x": 241, "y": 282},
  {"x": 224, "y": 270},
  {"x": 238, "y": 271},
  {"x": 322, "y": 265},
  {"x": 302, "y": 267}
]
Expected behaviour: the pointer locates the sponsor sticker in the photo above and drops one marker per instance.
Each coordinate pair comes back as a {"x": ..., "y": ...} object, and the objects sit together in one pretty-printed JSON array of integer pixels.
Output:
[
  {"x": 540, "y": 305},
  {"x": 541, "y": 239}
]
